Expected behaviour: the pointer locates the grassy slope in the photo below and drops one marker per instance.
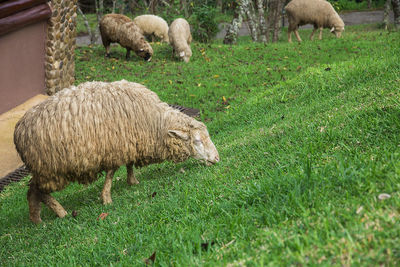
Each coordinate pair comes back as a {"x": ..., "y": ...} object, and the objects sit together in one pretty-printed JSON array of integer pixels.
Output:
[{"x": 308, "y": 136}]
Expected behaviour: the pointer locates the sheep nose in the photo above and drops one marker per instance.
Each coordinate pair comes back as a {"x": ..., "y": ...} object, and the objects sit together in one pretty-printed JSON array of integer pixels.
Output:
[{"x": 216, "y": 159}]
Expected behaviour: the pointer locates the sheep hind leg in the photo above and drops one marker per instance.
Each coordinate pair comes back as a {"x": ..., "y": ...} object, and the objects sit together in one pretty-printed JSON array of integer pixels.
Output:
[
  {"x": 320, "y": 33},
  {"x": 312, "y": 34},
  {"x": 106, "y": 193},
  {"x": 34, "y": 203},
  {"x": 131, "y": 179}
]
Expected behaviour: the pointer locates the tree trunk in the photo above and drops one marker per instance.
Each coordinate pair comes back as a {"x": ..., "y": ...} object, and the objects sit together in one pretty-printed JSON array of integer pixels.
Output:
[
  {"x": 262, "y": 22},
  {"x": 184, "y": 7},
  {"x": 248, "y": 9},
  {"x": 386, "y": 12},
  {"x": 89, "y": 30},
  {"x": 396, "y": 11},
  {"x": 278, "y": 21},
  {"x": 114, "y": 2},
  {"x": 233, "y": 28}
]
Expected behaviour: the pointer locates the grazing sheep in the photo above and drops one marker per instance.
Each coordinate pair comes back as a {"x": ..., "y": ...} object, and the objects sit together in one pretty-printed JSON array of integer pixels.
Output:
[
  {"x": 75, "y": 134},
  {"x": 116, "y": 28},
  {"x": 153, "y": 25},
  {"x": 180, "y": 39},
  {"x": 320, "y": 13}
]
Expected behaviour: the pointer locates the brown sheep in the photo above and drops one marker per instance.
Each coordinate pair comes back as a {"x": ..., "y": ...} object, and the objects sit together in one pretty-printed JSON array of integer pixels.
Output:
[
  {"x": 117, "y": 28},
  {"x": 75, "y": 134},
  {"x": 320, "y": 13}
]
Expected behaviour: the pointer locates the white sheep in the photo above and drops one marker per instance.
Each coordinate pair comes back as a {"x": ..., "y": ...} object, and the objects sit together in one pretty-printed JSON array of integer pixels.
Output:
[
  {"x": 75, "y": 134},
  {"x": 117, "y": 28},
  {"x": 152, "y": 25},
  {"x": 180, "y": 39},
  {"x": 320, "y": 13}
]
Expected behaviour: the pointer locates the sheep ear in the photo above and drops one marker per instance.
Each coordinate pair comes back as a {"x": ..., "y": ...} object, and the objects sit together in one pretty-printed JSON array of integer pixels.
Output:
[
  {"x": 333, "y": 29},
  {"x": 178, "y": 134},
  {"x": 182, "y": 54}
]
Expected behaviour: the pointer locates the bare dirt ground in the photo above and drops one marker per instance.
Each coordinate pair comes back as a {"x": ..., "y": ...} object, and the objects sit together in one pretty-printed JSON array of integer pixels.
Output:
[{"x": 349, "y": 18}]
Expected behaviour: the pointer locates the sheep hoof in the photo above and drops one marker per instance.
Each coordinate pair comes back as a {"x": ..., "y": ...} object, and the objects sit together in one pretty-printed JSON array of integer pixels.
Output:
[
  {"x": 107, "y": 200},
  {"x": 35, "y": 219},
  {"x": 133, "y": 181}
]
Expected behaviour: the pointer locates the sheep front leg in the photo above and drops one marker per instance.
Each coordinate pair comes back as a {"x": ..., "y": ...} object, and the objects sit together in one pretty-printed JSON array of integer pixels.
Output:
[
  {"x": 289, "y": 34},
  {"x": 106, "y": 193},
  {"x": 53, "y": 204},
  {"x": 131, "y": 179},
  {"x": 320, "y": 32},
  {"x": 128, "y": 53},
  {"x": 296, "y": 32},
  {"x": 312, "y": 34}
]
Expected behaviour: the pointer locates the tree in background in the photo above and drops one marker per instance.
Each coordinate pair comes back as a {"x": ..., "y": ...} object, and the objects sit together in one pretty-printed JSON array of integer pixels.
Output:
[
  {"x": 254, "y": 11},
  {"x": 396, "y": 11}
]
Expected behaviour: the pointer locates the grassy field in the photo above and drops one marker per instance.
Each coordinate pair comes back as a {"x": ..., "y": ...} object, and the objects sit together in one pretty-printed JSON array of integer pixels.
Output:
[{"x": 308, "y": 136}]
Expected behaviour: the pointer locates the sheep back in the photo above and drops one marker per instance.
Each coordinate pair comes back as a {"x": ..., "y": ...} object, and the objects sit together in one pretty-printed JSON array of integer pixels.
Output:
[{"x": 152, "y": 24}]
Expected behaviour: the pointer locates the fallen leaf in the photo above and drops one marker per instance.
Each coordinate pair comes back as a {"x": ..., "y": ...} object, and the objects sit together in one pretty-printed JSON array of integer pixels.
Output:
[
  {"x": 359, "y": 210},
  {"x": 216, "y": 76},
  {"x": 151, "y": 259},
  {"x": 298, "y": 68},
  {"x": 154, "y": 194},
  {"x": 182, "y": 170},
  {"x": 383, "y": 196},
  {"x": 223, "y": 98},
  {"x": 170, "y": 82},
  {"x": 102, "y": 216},
  {"x": 74, "y": 213}
]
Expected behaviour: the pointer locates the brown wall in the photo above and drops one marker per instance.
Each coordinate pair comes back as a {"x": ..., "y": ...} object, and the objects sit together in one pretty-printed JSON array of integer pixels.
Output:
[{"x": 22, "y": 70}]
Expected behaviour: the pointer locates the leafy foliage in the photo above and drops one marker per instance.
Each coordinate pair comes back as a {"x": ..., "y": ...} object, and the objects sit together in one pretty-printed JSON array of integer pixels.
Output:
[{"x": 204, "y": 25}]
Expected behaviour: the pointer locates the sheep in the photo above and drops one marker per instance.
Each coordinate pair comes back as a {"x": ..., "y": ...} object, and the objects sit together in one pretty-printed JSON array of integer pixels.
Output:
[
  {"x": 180, "y": 38},
  {"x": 153, "y": 25},
  {"x": 81, "y": 131},
  {"x": 117, "y": 28},
  {"x": 320, "y": 13}
]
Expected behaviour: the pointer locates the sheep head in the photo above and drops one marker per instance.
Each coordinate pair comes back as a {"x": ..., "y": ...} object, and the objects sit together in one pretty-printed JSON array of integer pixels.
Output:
[
  {"x": 144, "y": 50},
  {"x": 193, "y": 141},
  {"x": 337, "y": 30},
  {"x": 185, "y": 54}
]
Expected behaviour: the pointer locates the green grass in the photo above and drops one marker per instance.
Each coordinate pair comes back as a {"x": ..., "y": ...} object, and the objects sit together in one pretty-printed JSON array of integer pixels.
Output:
[{"x": 308, "y": 137}]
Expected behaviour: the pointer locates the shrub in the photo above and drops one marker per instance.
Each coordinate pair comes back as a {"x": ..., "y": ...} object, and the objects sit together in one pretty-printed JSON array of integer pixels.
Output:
[{"x": 204, "y": 25}]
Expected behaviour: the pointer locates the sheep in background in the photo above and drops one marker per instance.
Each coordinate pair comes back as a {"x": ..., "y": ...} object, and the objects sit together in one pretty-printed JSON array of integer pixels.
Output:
[
  {"x": 96, "y": 126},
  {"x": 180, "y": 39},
  {"x": 320, "y": 13},
  {"x": 153, "y": 25},
  {"x": 116, "y": 28}
]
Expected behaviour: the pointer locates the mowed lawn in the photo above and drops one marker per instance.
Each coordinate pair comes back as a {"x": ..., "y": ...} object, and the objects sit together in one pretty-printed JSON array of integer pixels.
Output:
[{"x": 309, "y": 140}]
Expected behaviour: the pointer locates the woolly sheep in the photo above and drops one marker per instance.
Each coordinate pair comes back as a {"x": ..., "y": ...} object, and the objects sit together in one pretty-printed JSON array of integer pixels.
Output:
[
  {"x": 153, "y": 25},
  {"x": 180, "y": 38},
  {"x": 75, "y": 134},
  {"x": 320, "y": 13},
  {"x": 117, "y": 28}
]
